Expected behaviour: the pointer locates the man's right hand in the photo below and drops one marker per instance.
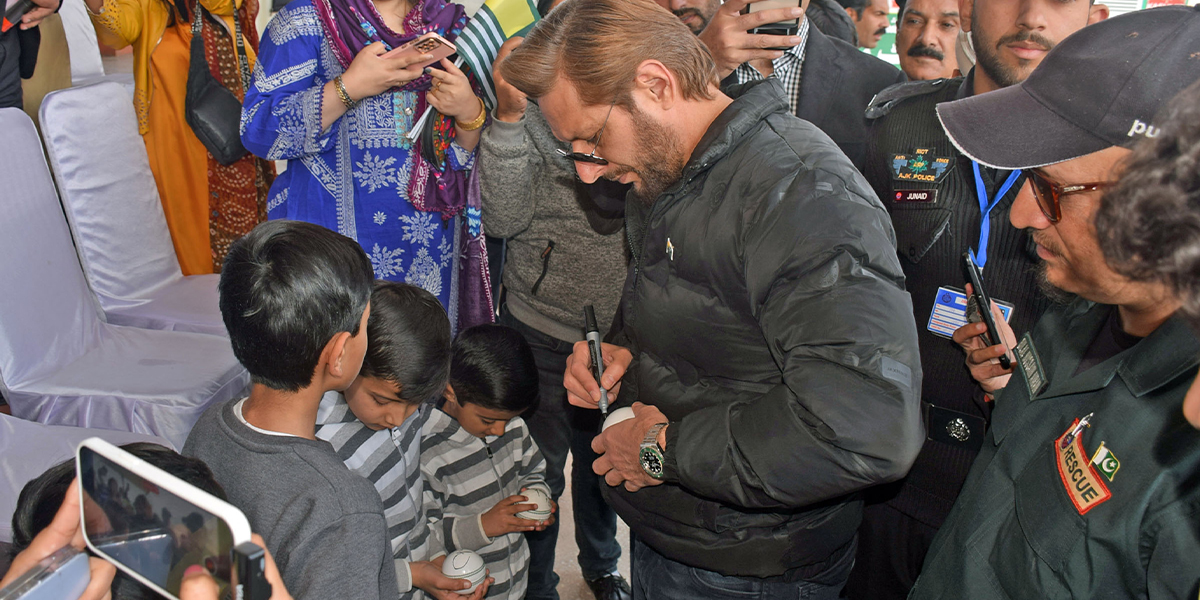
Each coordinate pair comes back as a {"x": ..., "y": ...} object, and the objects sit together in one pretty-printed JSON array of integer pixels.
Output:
[
  {"x": 510, "y": 102},
  {"x": 983, "y": 361},
  {"x": 582, "y": 389},
  {"x": 373, "y": 72},
  {"x": 728, "y": 39}
]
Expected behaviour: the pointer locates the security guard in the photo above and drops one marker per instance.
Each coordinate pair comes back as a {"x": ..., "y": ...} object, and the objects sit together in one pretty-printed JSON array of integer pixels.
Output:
[
  {"x": 1088, "y": 482},
  {"x": 937, "y": 198}
]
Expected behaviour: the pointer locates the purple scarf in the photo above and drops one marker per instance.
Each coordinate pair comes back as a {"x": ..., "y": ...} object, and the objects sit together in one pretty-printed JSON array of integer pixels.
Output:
[{"x": 350, "y": 26}]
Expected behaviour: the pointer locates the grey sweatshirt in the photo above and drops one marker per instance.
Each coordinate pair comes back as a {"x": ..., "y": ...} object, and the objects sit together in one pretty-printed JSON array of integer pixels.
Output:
[
  {"x": 531, "y": 197},
  {"x": 323, "y": 524}
]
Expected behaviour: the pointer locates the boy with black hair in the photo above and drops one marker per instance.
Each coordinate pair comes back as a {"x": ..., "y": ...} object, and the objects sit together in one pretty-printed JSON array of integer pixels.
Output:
[
  {"x": 477, "y": 454},
  {"x": 295, "y": 299},
  {"x": 375, "y": 425}
]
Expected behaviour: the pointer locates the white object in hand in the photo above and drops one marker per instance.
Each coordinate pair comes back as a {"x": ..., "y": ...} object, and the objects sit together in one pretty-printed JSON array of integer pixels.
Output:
[
  {"x": 465, "y": 564},
  {"x": 536, "y": 496},
  {"x": 621, "y": 414}
]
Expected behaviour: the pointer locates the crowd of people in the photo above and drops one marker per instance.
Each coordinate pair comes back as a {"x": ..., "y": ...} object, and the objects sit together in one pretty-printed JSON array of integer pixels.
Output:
[{"x": 772, "y": 230}]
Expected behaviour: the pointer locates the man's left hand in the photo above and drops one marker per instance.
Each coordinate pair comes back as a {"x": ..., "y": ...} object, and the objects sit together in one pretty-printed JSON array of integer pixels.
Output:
[
  {"x": 41, "y": 10},
  {"x": 620, "y": 445}
]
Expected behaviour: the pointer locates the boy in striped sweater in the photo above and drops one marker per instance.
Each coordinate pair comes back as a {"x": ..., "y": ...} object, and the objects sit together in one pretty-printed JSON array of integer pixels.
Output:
[
  {"x": 477, "y": 455},
  {"x": 375, "y": 427}
]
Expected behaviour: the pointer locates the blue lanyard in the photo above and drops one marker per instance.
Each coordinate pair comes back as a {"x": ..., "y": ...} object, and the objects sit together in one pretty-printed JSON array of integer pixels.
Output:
[{"x": 985, "y": 219}]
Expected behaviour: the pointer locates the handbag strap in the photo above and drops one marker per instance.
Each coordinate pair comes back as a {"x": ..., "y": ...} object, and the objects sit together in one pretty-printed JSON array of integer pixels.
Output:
[{"x": 243, "y": 63}]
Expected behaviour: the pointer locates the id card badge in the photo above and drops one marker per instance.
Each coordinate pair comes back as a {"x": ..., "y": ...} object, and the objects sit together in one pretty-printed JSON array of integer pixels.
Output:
[{"x": 950, "y": 311}]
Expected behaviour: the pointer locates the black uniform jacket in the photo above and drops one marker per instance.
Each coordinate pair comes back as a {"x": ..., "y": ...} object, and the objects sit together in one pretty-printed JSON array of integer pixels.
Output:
[{"x": 768, "y": 319}]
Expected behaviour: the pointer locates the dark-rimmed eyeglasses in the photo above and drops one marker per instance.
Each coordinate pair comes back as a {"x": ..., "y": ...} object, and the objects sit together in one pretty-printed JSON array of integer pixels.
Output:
[
  {"x": 1048, "y": 193},
  {"x": 591, "y": 157}
]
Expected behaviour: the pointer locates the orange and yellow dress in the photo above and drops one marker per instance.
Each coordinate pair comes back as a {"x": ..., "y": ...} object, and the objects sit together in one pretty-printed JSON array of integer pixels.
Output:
[{"x": 207, "y": 205}]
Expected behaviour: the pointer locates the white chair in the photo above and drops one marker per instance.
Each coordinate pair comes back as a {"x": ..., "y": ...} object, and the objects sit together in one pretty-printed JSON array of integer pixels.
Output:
[
  {"x": 116, "y": 218},
  {"x": 31, "y": 448},
  {"x": 60, "y": 362},
  {"x": 86, "y": 63}
]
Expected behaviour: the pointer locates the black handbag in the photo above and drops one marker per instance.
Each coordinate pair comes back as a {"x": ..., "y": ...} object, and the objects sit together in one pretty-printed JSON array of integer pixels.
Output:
[{"x": 212, "y": 111}]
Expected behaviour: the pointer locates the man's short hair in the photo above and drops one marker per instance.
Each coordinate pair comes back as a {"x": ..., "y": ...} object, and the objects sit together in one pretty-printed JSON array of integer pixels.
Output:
[
  {"x": 493, "y": 367},
  {"x": 1149, "y": 224},
  {"x": 287, "y": 288},
  {"x": 597, "y": 45},
  {"x": 858, "y": 6},
  {"x": 408, "y": 340}
]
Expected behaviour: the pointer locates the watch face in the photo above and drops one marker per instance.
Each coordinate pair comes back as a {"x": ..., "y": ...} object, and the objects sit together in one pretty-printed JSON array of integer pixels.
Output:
[{"x": 652, "y": 462}]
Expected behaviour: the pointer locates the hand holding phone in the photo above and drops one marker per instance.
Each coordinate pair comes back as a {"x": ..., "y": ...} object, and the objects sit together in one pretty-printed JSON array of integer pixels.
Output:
[
  {"x": 730, "y": 34},
  {"x": 130, "y": 533},
  {"x": 429, "y": 44},
  {"x": 984, "y": 306}
]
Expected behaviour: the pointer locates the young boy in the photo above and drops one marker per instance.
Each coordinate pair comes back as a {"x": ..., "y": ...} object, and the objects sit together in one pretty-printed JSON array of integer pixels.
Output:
[
  {"x": 375, "y": 425},
  {"x": 477, "y": 454},
  {"x": 295, "y": 299}
]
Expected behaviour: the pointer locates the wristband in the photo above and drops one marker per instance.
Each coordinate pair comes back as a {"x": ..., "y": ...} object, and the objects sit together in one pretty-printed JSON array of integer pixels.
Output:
[
  {"x": 341, "y": 92},
  {"x": 477, "y": 122}
]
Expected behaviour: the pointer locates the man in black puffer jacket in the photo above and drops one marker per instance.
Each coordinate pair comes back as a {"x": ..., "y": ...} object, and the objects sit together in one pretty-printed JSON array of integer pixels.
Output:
[{"x": 764, "y": 328}]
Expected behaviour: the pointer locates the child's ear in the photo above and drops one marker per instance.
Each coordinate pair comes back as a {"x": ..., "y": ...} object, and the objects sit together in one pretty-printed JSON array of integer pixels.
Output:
[
  {"x": 332, "y": 357},
  {"x": 450, "y": 395}
]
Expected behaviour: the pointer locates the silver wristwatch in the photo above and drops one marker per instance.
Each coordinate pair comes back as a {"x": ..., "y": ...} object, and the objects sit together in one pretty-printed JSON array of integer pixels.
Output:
[{"x": 650, "y": 455}]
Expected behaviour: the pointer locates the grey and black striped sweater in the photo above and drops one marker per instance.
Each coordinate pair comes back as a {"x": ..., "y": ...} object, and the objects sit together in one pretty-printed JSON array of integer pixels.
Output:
[
  {"x": 390, "y": 460},
  {"x": 465, "y": 476}
]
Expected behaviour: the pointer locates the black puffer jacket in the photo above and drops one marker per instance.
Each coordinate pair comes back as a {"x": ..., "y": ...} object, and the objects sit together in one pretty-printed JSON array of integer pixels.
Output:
[{"x": 768, "y": 319}]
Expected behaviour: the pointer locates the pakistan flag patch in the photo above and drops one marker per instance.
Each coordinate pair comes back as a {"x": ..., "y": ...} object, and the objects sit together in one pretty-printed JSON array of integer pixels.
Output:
[
  {"x": 1106, "y": 462},
  {"x": 920, "y": 166}
]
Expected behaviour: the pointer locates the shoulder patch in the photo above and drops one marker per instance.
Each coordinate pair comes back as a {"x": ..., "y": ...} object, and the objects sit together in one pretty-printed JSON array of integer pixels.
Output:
[{"x": 891, "y": 96}]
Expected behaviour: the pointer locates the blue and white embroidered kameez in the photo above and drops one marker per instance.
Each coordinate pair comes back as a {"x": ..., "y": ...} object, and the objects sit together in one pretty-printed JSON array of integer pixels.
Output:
[{"x": 354, "y": 177}]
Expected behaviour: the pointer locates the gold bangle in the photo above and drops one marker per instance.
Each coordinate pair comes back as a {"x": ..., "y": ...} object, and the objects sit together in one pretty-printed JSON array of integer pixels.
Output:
[
  {"x": 342, "y": 93},
  {"x": 477, "y": 122}
]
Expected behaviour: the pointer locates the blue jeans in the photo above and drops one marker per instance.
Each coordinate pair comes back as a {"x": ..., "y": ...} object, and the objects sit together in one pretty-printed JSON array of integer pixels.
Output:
[
  {"x": 656, "y": 577},
  {"x": 558, "y": 427}
]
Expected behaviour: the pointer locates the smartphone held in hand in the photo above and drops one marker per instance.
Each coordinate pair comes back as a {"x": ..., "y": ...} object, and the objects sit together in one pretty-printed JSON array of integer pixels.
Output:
[
  {"x": 429, "y": 43},
  {"x": 153, "y": 525},
  {"x": 787, "y": 27}
]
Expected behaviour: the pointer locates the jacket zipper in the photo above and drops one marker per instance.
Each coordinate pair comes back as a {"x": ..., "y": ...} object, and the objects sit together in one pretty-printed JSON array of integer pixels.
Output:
[{"x": 545, "y": 266}]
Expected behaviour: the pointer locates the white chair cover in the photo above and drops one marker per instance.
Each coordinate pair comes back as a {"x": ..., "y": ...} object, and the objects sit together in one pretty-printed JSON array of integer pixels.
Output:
[
  {"x": 60, "y": 363},
  {"x": 116, "y": 217},
  {"x": 31, "y": 448},
  {"x": 81, "y": 43}
]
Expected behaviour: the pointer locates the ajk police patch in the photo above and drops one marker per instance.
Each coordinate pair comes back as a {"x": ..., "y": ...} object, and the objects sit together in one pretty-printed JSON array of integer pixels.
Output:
[
  {"x": 920, "y": 166},
  {"x": 1079, "y": 477}
]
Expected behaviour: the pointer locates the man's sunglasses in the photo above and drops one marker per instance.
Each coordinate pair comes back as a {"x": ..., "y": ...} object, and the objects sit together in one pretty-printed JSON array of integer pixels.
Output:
[
  {"x": 1048, "y": 193},
  {"x": 591, "y": 157}
]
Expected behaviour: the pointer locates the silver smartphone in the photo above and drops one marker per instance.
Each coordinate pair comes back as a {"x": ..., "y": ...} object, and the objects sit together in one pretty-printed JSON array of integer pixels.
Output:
[{"x": 788, "y": 27}]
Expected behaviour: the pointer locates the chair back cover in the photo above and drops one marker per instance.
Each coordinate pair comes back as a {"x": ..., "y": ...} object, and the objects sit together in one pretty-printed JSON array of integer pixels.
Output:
[
  {"x": 48, "y": 318},
  {"x": 81, "y": 42},
  {"x": 108, "y": 193}
]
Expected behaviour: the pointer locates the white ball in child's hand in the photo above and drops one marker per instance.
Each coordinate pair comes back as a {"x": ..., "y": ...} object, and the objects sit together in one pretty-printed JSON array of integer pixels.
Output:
[
  {"x": 465, "y": 564},
  {"x": 538, "y": 497},
  {"x": 621, "y": 414}
]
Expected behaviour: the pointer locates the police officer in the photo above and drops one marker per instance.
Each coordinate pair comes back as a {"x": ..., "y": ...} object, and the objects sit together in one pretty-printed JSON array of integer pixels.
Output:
[
  {"x": 1089, "y": 476},
  {"x": 936, "y": 197}
]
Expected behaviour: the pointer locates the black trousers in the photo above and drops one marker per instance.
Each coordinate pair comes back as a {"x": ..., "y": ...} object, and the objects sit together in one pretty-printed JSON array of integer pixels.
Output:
[{"x": 891, "y": 551}]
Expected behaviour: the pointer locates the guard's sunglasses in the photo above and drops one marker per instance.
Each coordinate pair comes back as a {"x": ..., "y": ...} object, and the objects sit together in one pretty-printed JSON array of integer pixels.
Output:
[
  {"x": 1048, "y": 193},
  {"x": 591, "y": 157}
]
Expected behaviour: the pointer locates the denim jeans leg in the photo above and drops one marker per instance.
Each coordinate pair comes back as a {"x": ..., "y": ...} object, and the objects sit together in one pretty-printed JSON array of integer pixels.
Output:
[
  {"x": 656, "y": 577},
  {"x": 595, "y": 521}
]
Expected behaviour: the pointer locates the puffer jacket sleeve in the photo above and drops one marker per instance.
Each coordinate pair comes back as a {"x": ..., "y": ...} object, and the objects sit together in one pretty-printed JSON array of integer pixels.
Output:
[{"x": 827, "y": 292}]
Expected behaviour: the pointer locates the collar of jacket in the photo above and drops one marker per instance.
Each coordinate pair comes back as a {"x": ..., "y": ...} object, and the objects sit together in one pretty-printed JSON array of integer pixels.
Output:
[
  {"x": 1167, "y": 353},
  {"x": 752, "y": 102},
  {"x": 967, "y": 88}
]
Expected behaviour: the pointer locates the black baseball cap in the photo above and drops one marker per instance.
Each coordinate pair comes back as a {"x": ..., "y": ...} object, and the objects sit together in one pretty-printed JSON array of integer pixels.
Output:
[{"x": 1100, "y": 87}]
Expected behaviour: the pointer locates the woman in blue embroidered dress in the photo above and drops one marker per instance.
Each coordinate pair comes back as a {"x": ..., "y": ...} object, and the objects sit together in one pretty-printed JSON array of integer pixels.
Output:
[{"x": 327, "y": 97}]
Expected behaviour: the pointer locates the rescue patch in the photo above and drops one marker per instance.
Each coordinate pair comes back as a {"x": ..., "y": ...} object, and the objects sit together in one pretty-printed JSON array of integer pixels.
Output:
[
  {"x": 916, "y": 196},
  {"x": 1079, "y": 477},
  {"x": 920, "y": 166}
]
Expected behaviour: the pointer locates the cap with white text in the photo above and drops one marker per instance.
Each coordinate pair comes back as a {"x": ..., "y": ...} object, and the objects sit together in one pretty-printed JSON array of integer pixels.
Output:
[{"x": 1100, "y": 87}]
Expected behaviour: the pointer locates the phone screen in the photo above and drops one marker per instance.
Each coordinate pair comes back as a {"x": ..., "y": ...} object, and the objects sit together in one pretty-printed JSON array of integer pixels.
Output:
[
  {"x": 148, "y": 530},
  {"x": 769, "y": 4}
]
